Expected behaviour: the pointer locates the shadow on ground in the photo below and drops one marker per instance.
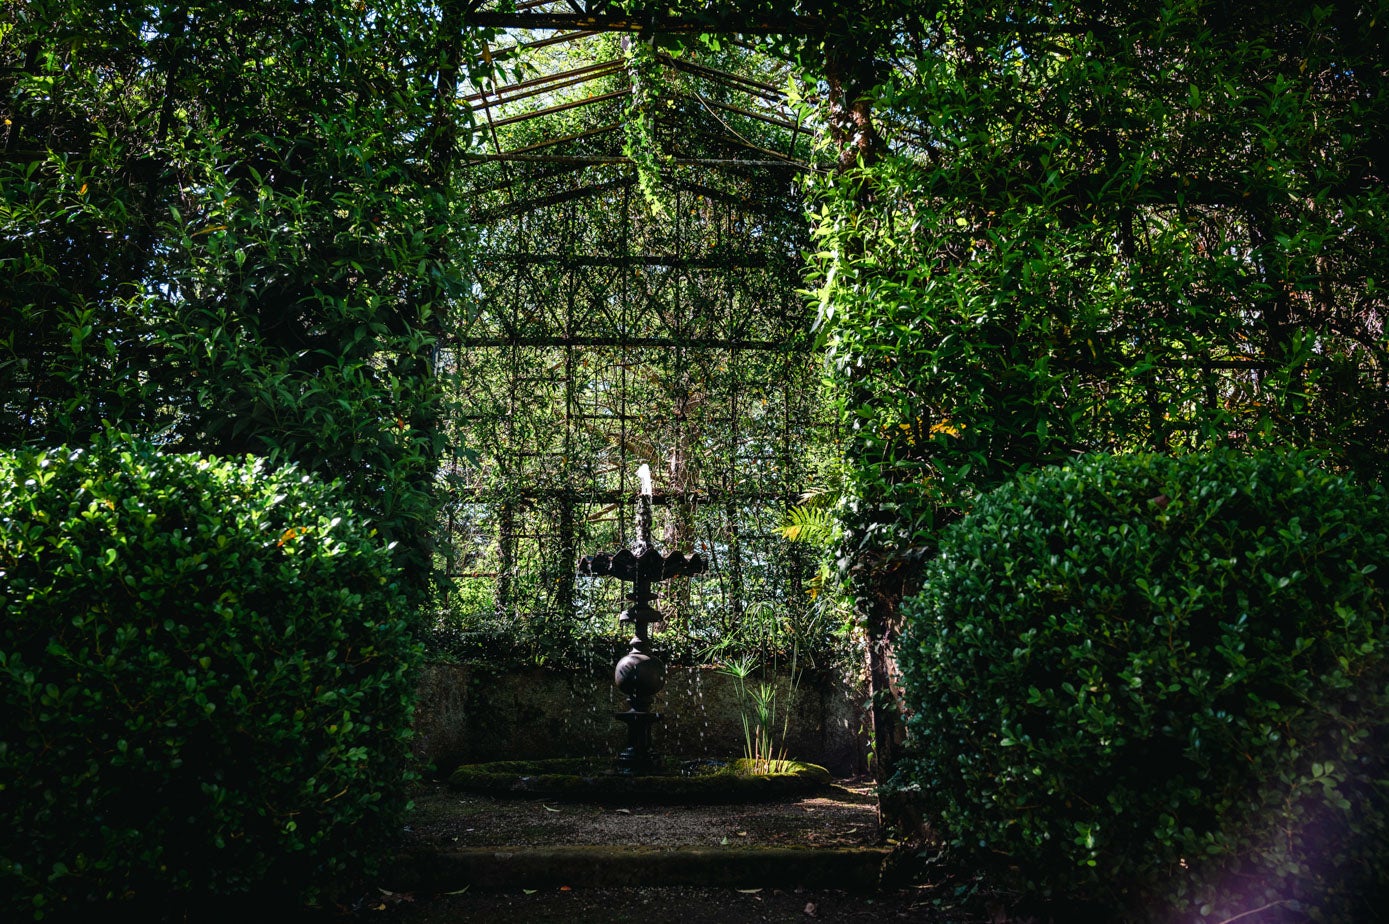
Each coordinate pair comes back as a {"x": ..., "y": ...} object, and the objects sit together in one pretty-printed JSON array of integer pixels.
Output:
[{"x": 730, "y": 840}]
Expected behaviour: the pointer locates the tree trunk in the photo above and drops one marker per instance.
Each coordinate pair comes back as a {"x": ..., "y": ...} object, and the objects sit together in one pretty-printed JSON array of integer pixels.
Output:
[{"x": 877, "y": 583}]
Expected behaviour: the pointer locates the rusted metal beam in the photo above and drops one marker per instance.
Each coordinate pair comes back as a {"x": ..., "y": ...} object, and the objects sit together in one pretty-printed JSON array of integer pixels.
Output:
[
  {"x": 525, "y": 154},
  {"x": 577, "y": 136},
  {"x": 542, "y": 90},
  {"x": 743, "y": 261},
  {"x": 534, "y": 177},
  {"x": 745, "y": 203},
  {"x": 746, "y": 84},
  {"x": 504, "y": 89},
  {"x": 596, "y": 160},
  {"x": 623, "y": 496},
  {"x": 526, "y": 205},
  {"x": 487, "y": 111},
  {"x": 771, "y": 120},
  {"x": 524, "y": 5},
  {"x": 801, "y": 344},
  {"x": 734, "y": 141},
  {"x": 511, "y": 50},
  {"x": 522, "y": 206},
  {"x": 548, "y": 110},
  {"x": 671, "y": 25}
]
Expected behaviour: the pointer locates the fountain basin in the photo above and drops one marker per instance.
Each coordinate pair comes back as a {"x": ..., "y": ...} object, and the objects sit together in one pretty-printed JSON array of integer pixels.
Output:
[{"x": 679, "y": 782}]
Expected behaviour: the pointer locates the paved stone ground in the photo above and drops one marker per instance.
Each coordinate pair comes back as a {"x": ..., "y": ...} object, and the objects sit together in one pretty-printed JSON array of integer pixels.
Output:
[
  {"x": 842, "y": 817},
  {"x": 679, "y": 905}
]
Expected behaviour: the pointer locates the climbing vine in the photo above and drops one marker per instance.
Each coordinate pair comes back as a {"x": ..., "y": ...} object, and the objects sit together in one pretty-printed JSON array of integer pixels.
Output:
[
  {"x": 235, "y": 246},
  {"x": 641, "y": 145},
  {"x": 1100, "y": 229}
]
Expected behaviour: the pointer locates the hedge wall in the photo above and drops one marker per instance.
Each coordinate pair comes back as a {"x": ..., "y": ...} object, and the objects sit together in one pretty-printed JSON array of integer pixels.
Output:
[
  {"x": 1162, "y": 683},
  {"x": 206, "y": 673}
]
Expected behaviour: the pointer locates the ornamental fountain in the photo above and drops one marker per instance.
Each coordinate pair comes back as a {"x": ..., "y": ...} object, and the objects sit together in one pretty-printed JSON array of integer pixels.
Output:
[
  {"x": 639, "y": 773},
  {"x": 640, "y": 675}
]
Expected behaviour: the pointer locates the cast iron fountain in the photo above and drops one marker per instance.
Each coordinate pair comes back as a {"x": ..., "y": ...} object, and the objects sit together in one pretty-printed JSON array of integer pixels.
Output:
[
  {"x": 640, "y": 675},
  {"x": 639, "y": 775}
]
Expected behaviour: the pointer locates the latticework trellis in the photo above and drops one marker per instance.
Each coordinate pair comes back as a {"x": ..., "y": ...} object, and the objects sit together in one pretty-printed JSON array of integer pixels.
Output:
[{"x": 612, "y": 332}]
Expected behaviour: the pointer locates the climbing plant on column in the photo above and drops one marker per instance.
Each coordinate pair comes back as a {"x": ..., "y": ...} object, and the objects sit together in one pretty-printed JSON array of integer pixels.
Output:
[
  {"x": 1106, "y": 228},
  {"x": 1090, "y": 227}
]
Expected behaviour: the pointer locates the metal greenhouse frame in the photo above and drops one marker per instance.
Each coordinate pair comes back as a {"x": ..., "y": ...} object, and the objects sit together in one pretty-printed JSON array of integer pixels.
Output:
[{"x": 611, "y": 331}]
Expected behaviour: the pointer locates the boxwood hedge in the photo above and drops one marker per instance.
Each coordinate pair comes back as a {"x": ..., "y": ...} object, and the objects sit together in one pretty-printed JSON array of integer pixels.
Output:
[
  {"x": 1160, "y": 683},
  {"x": 205, "y": 681}
]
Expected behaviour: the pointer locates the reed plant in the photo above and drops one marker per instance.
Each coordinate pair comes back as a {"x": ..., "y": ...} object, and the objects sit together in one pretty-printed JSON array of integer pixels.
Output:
[{"x": 765, "y": 721}]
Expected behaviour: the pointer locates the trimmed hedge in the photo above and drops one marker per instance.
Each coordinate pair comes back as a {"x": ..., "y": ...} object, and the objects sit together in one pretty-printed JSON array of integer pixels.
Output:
[
  {"x": 206, "y": 681},
  {"x": 1161, "y": 683}
]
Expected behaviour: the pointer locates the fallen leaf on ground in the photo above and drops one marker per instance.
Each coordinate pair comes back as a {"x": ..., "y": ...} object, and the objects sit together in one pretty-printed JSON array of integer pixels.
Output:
[
  {"x": 749, "y": 891},
  {"x": 548, "y": 809}
]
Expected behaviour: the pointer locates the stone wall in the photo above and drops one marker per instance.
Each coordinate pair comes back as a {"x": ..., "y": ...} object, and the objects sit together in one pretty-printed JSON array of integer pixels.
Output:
[{"x": 468, "y": 715}]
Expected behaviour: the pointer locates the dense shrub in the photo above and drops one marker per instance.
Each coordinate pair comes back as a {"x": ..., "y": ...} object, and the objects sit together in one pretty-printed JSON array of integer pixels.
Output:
[
  {"x": 247, "y": 242},
  {"x": 1161, "y": 682},
  {"x": 205, "y": 678}
]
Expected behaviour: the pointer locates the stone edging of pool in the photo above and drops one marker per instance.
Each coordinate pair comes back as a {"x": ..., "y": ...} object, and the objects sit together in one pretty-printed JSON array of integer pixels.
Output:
[{"x": 685, "y": 782}]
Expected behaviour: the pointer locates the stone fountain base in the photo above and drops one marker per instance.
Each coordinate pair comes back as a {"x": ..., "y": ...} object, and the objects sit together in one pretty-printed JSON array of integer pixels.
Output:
[
  {"x": 674, "y": 782},
  {"x": 467, "y": 715}
]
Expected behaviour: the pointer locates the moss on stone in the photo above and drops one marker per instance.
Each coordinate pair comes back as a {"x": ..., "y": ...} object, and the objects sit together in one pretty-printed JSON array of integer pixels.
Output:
[{"x": 593, "y": 779}]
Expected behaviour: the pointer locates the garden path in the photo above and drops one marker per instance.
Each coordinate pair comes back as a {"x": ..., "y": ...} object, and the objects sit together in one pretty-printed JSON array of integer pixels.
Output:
[{"x": 799, "y": 859}]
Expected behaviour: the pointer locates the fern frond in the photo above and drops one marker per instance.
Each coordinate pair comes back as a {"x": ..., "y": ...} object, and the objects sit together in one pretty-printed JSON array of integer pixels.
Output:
[{"x": 810, "y": 525}]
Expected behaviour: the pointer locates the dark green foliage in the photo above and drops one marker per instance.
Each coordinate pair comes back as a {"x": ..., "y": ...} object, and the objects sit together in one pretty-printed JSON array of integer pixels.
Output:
[
  {"x": 624, "y": 322},
  {"x": 229, "y": 226},
  {"x": 1089, "y": 226},
  {"x": 1106, "y": 227},
  {"x": 206, "y": 673},
  {"x": 1145, "y": 679}
]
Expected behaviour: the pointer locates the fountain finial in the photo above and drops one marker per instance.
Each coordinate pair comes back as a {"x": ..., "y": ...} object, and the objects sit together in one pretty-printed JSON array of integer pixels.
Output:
[{"x": 642, "y": 542}]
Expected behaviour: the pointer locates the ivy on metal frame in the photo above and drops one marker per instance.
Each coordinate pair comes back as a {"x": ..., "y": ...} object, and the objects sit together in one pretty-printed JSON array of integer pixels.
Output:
[{"x": 608, "y": 335}]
